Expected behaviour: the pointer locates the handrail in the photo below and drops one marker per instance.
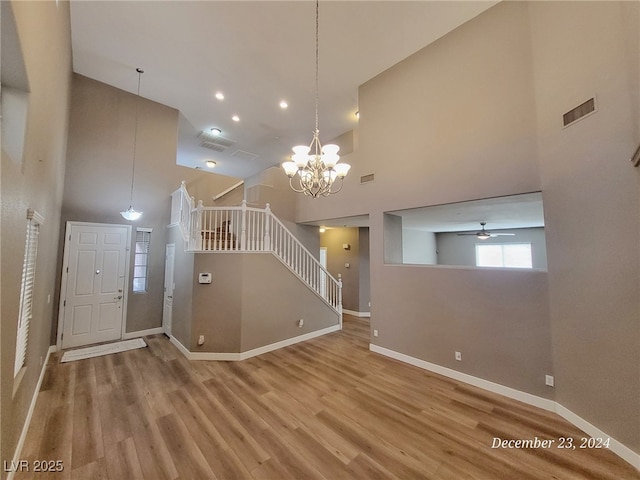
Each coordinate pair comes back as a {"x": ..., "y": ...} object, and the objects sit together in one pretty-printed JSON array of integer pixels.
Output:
[
  {"x": 250, "y": 229},
  {"x": 181, "y": 206}
]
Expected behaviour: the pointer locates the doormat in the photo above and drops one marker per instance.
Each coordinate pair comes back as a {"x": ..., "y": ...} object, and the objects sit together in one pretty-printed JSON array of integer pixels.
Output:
[{"x": 99, "y": 350}]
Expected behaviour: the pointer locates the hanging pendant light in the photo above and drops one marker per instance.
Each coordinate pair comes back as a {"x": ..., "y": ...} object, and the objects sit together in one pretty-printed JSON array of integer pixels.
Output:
[
  {"x": 315, "y": 167},
  {"x": 131, "y": 214}
]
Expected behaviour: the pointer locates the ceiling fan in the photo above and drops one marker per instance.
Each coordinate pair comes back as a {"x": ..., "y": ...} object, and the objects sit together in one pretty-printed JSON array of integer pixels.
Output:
[{"x": 484, "y": 234}]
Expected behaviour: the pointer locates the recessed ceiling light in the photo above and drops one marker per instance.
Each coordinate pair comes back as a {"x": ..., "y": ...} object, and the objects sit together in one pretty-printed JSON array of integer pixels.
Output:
[
  {"x": 216, "y": 131},
  {"x": 283, "y": 104},
  {"x": 235, "y": 118},
  {"x": 210, "y": 163},
  {"x": 220, "y": 95},
  {"x": 322, "y": 229}
]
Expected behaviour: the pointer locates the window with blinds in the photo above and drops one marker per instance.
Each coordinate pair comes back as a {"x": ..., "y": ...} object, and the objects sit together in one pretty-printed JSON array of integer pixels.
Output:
[
  {"x": 34, "y": 220},
  {"x": 141, "y": 260}
]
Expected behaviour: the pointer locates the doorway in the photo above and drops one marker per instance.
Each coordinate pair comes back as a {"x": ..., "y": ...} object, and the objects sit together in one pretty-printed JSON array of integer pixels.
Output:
[{"x": 95, "y": 273}]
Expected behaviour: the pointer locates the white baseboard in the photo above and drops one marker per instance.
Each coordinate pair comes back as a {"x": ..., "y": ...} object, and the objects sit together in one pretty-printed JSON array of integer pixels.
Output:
[
  {"x": 540, "y": 402},
  {"x": 616, "y": 447},
  {"x": 142, "y": 333},
  {"x": 32, "y": 407},
  {"x": 235, "y": 357},
  {"x": 357, "y": 314}
]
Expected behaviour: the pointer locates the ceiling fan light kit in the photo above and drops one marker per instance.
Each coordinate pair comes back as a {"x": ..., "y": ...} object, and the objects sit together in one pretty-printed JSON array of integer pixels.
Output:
[{"x": 485, "y": 234}]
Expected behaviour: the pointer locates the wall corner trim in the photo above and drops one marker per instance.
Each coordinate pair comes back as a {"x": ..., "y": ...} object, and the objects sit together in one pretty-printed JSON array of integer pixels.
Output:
[
  {"x": 618, "y": 448},
  {"x": 32, "y": 407},
  {"x": 236, "y": 357}
]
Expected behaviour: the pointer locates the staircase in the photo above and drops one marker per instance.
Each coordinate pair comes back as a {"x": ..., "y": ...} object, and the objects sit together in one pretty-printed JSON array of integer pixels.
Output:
[{"x": 244, "y": 229}]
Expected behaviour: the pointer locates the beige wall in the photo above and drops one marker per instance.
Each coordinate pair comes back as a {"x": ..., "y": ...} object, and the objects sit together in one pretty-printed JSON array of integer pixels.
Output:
[
  {"x": 43, "y": 32},
  {"x": 355, "y": 291},
  {"x": 478, "y": 114},
  {"x": 244, "y": 308},
  {"x": 98, "y": 179},
  {"x": 592, "y": 205}
]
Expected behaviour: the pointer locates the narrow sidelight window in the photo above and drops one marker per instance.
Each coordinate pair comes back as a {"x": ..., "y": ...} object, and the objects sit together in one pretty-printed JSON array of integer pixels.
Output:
[{"x": 141, "y": 260}]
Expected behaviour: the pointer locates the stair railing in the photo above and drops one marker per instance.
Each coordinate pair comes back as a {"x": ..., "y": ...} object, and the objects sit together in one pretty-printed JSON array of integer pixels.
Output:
[{"x": 250, "y": 229}]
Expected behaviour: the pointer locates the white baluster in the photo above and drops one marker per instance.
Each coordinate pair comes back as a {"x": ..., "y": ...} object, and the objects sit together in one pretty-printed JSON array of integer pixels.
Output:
[
  {"x": 243, "y": 230},
  {"x": 198, "y": 226},
  {"x": 267, "y": 229}
]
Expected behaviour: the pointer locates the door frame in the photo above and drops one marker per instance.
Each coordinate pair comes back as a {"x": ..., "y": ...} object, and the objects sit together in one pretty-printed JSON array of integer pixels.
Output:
[
  {"x": 165, "y": 330},
  {"x": 65, "y": 274}
]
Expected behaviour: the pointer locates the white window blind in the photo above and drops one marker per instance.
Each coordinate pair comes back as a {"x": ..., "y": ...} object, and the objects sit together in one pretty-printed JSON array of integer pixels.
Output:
[
  {"x": 509, "y": 255},
  {"x": 34, "y": 220},
  {"x": 141, "y": 260}
]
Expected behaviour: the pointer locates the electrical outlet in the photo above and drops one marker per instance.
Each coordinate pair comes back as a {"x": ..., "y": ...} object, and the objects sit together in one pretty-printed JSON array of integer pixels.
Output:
[
  {"x": 201, "y": 340},
  {"x": 548, "y": 380},
  {"x": 459, "y": 356},
  {"x": 375, "y": 333},
  {"x": 300, "y": 322}
]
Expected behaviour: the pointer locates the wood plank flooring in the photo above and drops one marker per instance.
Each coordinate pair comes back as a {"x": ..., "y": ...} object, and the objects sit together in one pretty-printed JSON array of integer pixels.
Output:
[{"x": 326, "y": 409}]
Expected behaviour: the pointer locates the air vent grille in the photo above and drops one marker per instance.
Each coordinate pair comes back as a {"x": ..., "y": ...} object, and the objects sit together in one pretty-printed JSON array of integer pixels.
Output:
[
  {"x": 580, "y": 111},
  {"x": 367, "y": 178},
  {"x": 242, "y": 155},
  {"x": 215, "y": 142},
  {"x": 213, "y": 146}
]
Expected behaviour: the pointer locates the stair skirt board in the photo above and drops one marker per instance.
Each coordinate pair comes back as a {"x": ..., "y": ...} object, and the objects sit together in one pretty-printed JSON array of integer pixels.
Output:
[
  {"x": 105, "y": 349},
  {"x": 254, "y": 352}
]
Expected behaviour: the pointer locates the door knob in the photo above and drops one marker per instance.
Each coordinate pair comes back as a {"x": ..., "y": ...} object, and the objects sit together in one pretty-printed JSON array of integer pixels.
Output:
[{"x": 119, "y": 297}]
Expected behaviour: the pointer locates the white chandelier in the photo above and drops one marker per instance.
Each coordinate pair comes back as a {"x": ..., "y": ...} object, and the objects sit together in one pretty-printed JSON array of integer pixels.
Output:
[
  {"x": 131, "y": 214},
  {"x": 317, "y": 167}
]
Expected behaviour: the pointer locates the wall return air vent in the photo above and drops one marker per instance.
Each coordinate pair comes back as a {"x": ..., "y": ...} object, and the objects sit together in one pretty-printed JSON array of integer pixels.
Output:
[
  {"x": 367, "y": 178},
  {"x": 580, "y": 111}
]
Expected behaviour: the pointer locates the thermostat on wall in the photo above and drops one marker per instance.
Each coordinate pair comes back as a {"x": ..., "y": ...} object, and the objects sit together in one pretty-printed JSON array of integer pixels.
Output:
[{"x": 204, "y": 278}]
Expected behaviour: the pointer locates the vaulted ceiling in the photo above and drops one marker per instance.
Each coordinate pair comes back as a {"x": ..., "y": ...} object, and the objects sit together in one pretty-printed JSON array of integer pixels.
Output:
[{"x": 257, "y": 54}]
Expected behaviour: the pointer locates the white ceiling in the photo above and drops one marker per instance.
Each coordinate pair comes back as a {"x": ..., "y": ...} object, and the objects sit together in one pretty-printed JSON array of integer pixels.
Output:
[{"x": 257, "y": 53}]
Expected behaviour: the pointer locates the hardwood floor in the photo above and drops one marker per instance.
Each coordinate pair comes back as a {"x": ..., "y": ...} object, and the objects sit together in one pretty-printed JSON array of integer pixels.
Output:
[{"x": 324, "y": 409}]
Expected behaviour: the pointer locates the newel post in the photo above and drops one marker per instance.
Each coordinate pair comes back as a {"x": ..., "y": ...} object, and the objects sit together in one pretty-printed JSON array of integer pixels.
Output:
[
  {"x": 340, "y": 297},
  {"x": 243, "y": 228},
  {"x": 197, "y": 230},
  {"x": 267, "y": 228}
]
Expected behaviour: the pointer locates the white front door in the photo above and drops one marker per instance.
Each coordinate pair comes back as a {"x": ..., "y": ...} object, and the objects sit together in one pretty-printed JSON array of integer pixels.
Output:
[
  {"x": 94, "y": 280},
  {"x": 168, "y": 288}
]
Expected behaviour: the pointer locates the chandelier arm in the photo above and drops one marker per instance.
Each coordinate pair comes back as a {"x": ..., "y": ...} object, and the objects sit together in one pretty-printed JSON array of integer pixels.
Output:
[{"x": 294, "y": 188}]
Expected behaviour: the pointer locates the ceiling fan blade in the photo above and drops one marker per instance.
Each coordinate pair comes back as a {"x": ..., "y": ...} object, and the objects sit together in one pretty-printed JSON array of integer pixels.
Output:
[
  {"x": 463, "y": 234},
  {"x": 502, "y": 234}
]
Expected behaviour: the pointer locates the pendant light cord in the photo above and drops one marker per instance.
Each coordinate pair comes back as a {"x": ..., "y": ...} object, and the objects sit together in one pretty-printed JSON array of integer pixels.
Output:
[
  {"x": 135, "y": 134},
  {"x": 317, "y": 51}
]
